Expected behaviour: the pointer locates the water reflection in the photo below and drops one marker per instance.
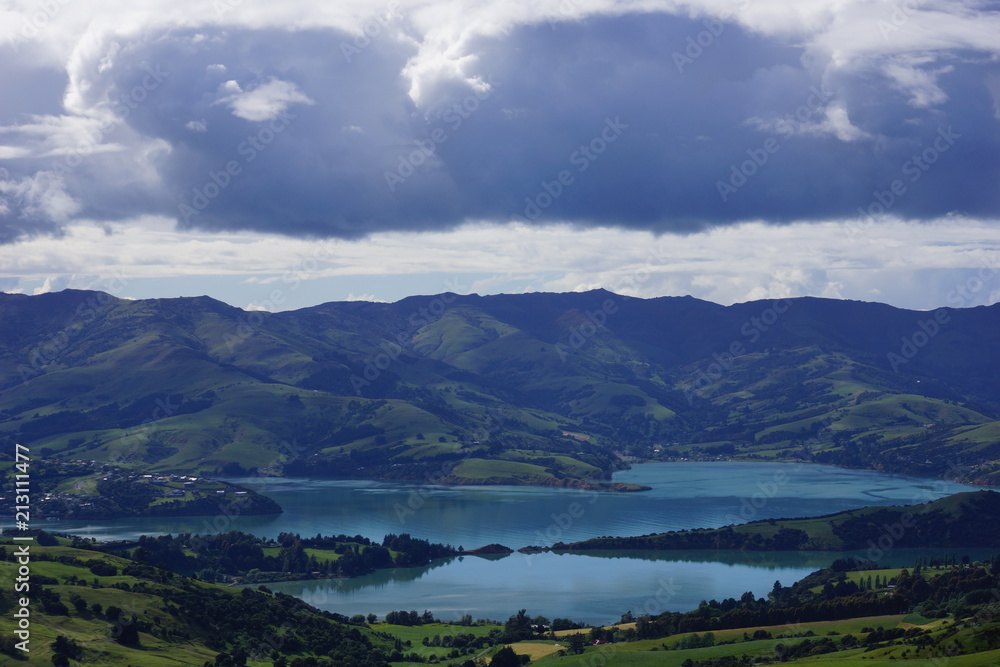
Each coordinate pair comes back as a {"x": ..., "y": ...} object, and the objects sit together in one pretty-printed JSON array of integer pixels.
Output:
[{"x": 593, "y": 587}]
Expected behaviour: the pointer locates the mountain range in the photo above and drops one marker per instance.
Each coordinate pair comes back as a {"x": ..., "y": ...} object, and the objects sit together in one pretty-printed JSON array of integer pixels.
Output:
[{"x": 540, "y": 388}]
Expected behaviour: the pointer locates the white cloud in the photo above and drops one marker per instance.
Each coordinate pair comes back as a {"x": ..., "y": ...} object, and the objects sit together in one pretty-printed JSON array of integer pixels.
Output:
[
  {"x": 833, "y": 120},
  {"x": 264, "y": 102},
  {"x": 370, "y": 298},
  {"x": 920, "y": 84},
  {"x": 46, "y": 136},
  {"x": 42, "y": 196},
  {"x": 839, "y": 125},
  {"x": 231, "y": 88},
  {"x": 838, "y": 33},
  {"x": 89, "y": 43},
  {"x": 902, "y": 263}
]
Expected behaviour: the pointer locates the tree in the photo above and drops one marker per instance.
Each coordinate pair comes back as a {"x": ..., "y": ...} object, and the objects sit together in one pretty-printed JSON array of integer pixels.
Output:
[
  {"x": 576, "y": 643},
  {"x": 65, "y": 646},
  {"x": 642, "y": 627},
  {"x": 517, "y": 627},
  {"x": 126, "y": 634},
  {"x": 44, "y": 539},
  {"x": 505, "y": 657}
]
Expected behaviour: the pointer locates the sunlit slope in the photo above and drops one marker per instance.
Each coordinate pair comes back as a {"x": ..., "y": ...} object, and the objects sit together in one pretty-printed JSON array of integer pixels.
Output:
[{"x": 557, "y": 386}]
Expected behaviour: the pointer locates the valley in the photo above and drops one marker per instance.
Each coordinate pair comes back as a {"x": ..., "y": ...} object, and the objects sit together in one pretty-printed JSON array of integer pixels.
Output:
[
  {"x": 538, "y": 389},
  {"x": 648, "y": 456}
]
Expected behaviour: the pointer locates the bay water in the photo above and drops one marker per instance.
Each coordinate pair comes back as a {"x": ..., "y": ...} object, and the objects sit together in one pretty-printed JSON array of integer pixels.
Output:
[{"x": 596, "y": 587}]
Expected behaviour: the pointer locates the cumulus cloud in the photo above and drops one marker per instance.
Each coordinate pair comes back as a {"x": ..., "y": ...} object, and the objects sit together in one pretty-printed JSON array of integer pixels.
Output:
[
  {"x": 370, "y": 298},
  {"x": 265, "y": 101},
  {"x": 39, "y": 200},
  {"x": 53, "y": 284},
  {"x": 898, "y": 262},
  {"x": 349, "y": 119}
]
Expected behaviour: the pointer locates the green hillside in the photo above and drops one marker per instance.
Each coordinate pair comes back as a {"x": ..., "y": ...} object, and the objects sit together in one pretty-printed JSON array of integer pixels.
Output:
[
  {"x": 953, "y": 521},
  {"x": 937, "y": 614},
  {"x": 88, "y": 606},
  {"x": 112, "y": 610},
  {"x": 552, "y": 389}
]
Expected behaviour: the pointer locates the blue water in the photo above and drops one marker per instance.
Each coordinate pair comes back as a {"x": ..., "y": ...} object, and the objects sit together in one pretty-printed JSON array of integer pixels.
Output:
[{"x": 593, "y": 588}]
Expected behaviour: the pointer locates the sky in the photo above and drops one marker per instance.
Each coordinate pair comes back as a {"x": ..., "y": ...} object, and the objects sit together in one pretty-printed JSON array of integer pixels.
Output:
[{"x": 280, "y": 155}]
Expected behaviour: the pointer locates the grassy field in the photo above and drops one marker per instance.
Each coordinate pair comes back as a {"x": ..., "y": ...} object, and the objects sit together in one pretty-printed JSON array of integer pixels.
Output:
[
  {"x": 416, "y": 634},
  {"x": 177, "y": 642},
  {"x": 730, "y": 643},
  {"x": 482, "y": 469},
  {"x": 91, "y": 630}
]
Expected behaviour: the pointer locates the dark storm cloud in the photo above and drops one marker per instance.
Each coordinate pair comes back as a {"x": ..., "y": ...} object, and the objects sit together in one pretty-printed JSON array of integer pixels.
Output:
[{"x": 647, "y": 121}]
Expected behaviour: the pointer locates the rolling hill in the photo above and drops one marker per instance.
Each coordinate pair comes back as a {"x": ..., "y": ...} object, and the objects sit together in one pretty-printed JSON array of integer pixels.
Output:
[
  {"x": 953, "y": 521},
  {"x": 96, "y": 608},
  {"x": 557, "y": 389}
]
